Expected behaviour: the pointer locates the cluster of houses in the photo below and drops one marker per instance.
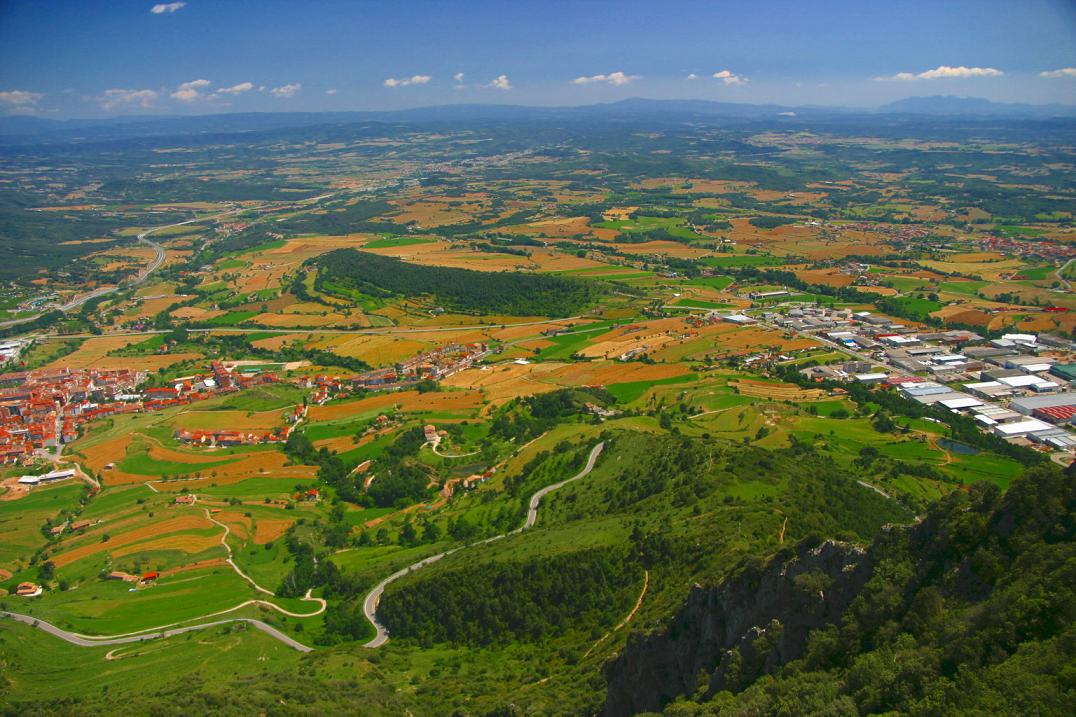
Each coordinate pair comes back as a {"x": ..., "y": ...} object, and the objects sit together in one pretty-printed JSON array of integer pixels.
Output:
[
  {"x": 899, "y": 235},
  {"x": 469, "y": 483},
  {"x": 1038, "y": 250},
  {"x": 432, "y": 365},
  {"x": 43, "y": 408},
  {"x": 226, "y": 438},
  {"x": 40, "y": 409}
]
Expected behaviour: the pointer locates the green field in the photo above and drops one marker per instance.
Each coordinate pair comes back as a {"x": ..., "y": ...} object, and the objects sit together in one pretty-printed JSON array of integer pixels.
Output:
[
  {"x": 633, "y": 390},
  {"x": 714, "y": 282},
  {"x": 390, "y": 242},
  {"x": 642, "y": 224},
  {"x": 232, "y": 318},
  {"x": 21, "y": 520},
  {"x": 570, "y": 343},
  {"x": 728, "y": 261}
]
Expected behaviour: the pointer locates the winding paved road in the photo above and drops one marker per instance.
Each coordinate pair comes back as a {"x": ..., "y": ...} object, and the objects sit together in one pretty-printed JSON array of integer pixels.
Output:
[
  {"x": 91, "y": 641},
  {"x": 373, "y": 598},
  {"x": 153, "y": 633},
  {"x": 1061, "y": 275}
]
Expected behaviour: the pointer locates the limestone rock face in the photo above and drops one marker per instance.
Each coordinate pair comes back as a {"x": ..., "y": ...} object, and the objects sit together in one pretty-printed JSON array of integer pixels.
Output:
[{"x": 726, "y": 635}]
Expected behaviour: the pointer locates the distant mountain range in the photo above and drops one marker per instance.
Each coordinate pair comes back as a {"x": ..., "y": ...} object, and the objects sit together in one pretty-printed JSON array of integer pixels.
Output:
[
  {"x": 974, "y": 106},
  {"x": 24, "y": 129}
]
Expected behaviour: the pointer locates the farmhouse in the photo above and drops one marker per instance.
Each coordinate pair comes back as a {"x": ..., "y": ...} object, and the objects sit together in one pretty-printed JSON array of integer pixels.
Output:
[
  {"x": 28, "y": 590},
  {"x": 125, "y": 577}
]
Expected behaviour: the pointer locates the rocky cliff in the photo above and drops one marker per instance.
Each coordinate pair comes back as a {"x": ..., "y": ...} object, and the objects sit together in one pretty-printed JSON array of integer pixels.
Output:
[{"x": 725, "y": 636}]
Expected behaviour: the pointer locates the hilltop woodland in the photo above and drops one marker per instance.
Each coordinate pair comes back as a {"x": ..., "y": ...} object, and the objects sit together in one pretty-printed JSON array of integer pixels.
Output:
[{"x": 349, "y": 272}]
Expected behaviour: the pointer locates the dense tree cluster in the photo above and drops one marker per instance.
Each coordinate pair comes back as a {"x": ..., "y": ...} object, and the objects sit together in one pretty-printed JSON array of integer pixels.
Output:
[
  {"x": 771, "y": 222},
  {"x": 528, "y": 599},
  {"x": 512, "y": 293},
  {"x": 526, "y": 418},
  {"x": 400, "y": 481}
]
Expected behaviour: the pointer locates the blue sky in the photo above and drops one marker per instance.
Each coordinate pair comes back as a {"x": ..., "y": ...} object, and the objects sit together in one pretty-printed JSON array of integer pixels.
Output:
[{"x": 99, "y": 58}]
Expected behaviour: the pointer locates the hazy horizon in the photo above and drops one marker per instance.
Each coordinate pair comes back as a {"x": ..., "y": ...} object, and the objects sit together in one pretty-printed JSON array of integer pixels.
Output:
[{"x": 79, "y": 61}]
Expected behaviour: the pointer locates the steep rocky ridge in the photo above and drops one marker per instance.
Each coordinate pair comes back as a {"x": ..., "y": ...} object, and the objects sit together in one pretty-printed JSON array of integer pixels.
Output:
[{"x": 751, "y": 624}]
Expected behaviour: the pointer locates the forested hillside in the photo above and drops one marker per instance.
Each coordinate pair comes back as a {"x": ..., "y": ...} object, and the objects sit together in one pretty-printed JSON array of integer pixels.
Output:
[
  {"x": 348, "y": 271},
  {"x": 522, "y": 600},
  {"x": 968, "y": 612}
]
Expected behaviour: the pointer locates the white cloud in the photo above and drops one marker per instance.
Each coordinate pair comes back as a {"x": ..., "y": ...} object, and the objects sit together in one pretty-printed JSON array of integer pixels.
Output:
[
  {"x": 613, "y": 78},
  {"x": 729, "y": 77},
  {"x": 19, "y": 99},
  {"x": 167, "y": 7},
  {"x": 458, "y": 77},
  {"x": 285, "y": 91},
  {"x": 236, "y": 89},
  {"x": 1063, "y": 72},
  {"x": 692, "y": 76},
  {"x": 118, "y": 99},
  {"x": 943, "y": 72},
  {"x": 500, "y": 83},
  {"x": 405, "y": 81},
  {"x": 190, "y": 91},
  {"x": 331, "y": 92}
]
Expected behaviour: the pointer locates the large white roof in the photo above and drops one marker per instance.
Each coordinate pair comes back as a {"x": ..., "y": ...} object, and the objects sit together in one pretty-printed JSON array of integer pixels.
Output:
[
  {"x": 958, "y": 403},
  {"x": 1031, "y": 425}
]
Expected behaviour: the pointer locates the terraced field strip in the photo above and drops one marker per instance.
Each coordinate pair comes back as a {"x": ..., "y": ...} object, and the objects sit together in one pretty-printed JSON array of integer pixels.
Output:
[{"x": 776, "y": 391}]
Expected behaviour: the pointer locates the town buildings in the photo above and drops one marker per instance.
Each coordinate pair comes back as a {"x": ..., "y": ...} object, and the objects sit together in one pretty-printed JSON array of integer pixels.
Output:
[
  {"x": 42, "y": 409},
  {"x": 432, "y": 365}
]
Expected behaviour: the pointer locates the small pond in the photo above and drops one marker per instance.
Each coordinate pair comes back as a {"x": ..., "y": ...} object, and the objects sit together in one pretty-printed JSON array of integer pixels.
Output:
[{"x": 957, "y": 447}]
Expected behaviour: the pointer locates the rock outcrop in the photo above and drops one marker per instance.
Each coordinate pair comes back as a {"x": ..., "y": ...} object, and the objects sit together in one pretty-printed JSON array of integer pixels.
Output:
[{"x": 725, "y": 636}]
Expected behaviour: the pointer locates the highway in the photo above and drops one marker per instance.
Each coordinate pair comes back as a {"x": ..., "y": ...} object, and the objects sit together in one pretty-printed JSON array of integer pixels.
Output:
[
  {"x": 158, "y": 257},
  {"x": 145, "y": 273},
  {"x": 295, "y": 330},
  {"x": 373, "y": 598}
]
